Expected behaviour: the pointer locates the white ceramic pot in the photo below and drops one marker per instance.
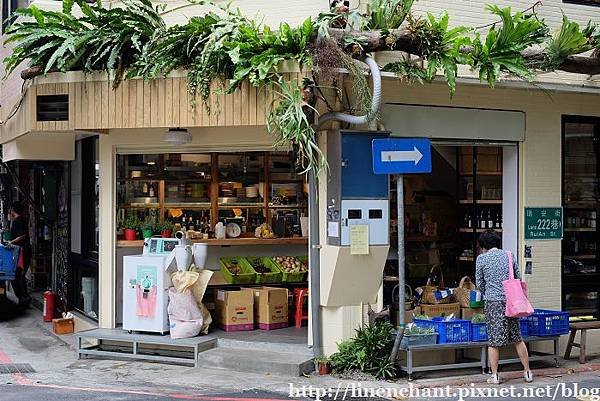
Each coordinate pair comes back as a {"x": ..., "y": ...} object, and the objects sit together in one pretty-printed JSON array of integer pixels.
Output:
[
  {"x": 183, "y": 257},
  {"x": 200, "y": 254}
]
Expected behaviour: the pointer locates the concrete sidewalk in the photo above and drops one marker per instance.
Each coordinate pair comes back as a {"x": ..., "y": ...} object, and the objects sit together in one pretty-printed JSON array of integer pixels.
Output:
[{"x": 28, "y": 340}]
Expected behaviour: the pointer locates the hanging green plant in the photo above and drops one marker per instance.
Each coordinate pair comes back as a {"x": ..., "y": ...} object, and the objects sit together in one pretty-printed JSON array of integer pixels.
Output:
[
  {"x": 568, "y": 41},
  {"x": 287, "y": 121}
]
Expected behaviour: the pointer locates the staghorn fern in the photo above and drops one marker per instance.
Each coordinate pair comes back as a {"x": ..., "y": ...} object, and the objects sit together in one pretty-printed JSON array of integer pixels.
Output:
[{"x": 568, "y": 41}]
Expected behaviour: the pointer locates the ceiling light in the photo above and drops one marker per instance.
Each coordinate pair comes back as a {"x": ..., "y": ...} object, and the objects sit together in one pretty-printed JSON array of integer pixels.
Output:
[{"x": 178, "y": 136}]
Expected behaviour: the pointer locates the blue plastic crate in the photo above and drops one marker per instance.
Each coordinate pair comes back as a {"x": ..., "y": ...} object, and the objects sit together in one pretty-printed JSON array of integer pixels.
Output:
[
  {"x": 451, "y": 331},
  {"x": 479, "y": 332},
  {"x": 9, "y": 257},
  {"x": 524, "y": 324},
  {"x": 546, "y": 322}
]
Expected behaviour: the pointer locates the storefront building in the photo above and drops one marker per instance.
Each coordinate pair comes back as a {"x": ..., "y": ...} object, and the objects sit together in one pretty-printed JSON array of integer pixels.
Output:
[{"x": 497, "y": 152}]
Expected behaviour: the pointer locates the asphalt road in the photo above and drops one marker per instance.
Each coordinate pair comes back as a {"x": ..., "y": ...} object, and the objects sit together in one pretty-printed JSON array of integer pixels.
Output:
[{"x": 587, "y": 390}]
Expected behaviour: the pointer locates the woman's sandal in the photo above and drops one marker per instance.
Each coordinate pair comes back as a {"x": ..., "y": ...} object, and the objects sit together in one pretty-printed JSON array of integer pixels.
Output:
[
  {"x": 494, "y": 379},
  {"x": 528, "y": 376}
]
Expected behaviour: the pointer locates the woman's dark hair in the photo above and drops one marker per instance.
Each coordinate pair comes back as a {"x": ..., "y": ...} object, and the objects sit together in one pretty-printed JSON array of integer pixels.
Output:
[
  {"x": 18, "y": 208},
  {"x": 489, "y": 239}
]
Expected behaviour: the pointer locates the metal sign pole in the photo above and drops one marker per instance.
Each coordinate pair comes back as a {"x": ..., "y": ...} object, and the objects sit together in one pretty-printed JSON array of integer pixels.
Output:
[
  {"x": 401, "y": 262},
  {"x": 401, "y": 259}
]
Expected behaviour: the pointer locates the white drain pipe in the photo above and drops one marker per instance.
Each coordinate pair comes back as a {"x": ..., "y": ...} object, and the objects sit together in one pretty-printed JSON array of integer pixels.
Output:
[{"x": 313, "y": 207}]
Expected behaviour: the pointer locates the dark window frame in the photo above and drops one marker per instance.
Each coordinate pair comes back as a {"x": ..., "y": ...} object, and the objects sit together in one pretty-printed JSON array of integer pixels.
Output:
[
  {"x": 88, "y": 209},
  {"x": 592, "y": 282},
  {"x": 593, "y": 3},
  {"x": 8, "y": 6}
]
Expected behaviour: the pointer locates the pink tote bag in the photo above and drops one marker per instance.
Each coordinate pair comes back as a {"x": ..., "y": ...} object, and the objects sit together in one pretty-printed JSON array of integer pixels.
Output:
[{"x": 517, "y": 303}]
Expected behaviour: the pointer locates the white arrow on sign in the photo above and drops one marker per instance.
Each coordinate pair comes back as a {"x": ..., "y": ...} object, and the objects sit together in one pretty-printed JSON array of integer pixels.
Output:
[{"x": 402, "y": 156}]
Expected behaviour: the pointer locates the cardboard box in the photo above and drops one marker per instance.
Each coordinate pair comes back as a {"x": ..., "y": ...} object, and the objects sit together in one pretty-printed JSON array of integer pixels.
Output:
[
  {"x": 467, "y": 313},
  {"x": 235, "y": 310},
  {"x": 63, "y": 326},
  {"x": 408, "y": 315},
  {"x": 441, "y": 310},
  {"x": 270, "y": 308}
]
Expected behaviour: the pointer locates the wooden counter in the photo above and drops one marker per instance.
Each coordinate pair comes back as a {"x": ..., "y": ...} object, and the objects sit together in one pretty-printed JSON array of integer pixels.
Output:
[{"x": 228, "y": 242}]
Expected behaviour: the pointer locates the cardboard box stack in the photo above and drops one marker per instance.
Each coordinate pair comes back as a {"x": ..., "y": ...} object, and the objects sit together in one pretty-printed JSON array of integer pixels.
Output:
[
  {"x": 234, "y": 310},
  {"x": 249, "y": 308},
  {"x": 270, "y": 308}
]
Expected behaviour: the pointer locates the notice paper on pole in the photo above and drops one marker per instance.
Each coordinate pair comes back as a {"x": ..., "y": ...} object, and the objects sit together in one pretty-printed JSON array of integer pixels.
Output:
[
  {"x": 401, "y": 156},
  {"x": 359, "y": 239}
]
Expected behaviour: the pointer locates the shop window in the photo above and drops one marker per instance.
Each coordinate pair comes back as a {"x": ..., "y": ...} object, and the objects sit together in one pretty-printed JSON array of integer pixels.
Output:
[
  {"x": 195, "y": 191},
  {"x": 90, "y": 205},
  {"x": 584, "y": 2},
  {"x": 8, "y": 6},
  {"x": 581, "y": 274}
]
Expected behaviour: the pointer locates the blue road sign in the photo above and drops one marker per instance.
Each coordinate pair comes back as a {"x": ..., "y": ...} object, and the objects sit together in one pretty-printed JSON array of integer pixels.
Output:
[{"x": 401, "y": 156}]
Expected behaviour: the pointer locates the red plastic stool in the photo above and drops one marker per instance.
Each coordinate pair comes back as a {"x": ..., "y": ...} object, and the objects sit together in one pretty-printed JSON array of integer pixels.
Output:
[{"x": 299, "y": 294}]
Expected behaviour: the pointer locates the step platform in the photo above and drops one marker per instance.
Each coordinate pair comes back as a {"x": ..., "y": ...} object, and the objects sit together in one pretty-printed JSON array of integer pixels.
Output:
[{"x": 119, "y": 344}]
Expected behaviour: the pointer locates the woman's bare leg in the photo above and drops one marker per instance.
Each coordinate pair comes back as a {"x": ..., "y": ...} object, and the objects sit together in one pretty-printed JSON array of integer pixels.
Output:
[
  {"x": 523, "y": 355},
  {"x": 493, "y": 354}
]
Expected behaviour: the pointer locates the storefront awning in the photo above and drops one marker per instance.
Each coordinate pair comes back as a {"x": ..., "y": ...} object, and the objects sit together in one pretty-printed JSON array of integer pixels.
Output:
[
  {"x": 454, "y": 123},
  {"x": 40, "y": 146}
]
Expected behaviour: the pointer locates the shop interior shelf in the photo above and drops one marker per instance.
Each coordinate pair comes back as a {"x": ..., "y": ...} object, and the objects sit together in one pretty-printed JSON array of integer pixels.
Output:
[
  {"x": 139, "y": 205},
  {"x": 482, "y": 173},
  {"x": 481, "y": 201},
  {"x": 241, "y": 204},
  {"x": 479, "y": 230},
  {"x": 287, "y": 207},
  {"x": 580, "y": 257},
  {"x": 187, "y": 205},
  {"x": 229, "y": 242},
  {"x": 466, "y": 258},
  {"x": 580, "y": 229}
]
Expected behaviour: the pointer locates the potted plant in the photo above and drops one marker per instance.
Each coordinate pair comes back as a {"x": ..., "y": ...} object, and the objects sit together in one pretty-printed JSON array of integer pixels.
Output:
[
  {"x": 148, "y": 227},
  {"x": 130, "y": 226},
  {"x": 323, "y": 365},
  {"x": 165, "y": 228}
]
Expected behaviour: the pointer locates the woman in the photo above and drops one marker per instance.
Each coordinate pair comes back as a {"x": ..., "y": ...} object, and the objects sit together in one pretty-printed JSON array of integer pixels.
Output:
[
  {"x": 19, "y": 231},
  {"x": 491, "y": 270}
]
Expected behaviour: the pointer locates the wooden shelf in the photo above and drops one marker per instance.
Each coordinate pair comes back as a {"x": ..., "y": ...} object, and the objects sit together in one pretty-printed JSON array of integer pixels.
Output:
[
  {"x": 481, "y": 201},
  {"x": 586, "y": 257},
  {"x": 420, "y": 238},
  {"x": 139, "y": 206},
  {"x": 482, "y": 173},
  {"x": 580, "y": 230},
  {"x": 581, "y": 205},
  {"x": 228, "y": 242},
  {"x": 478, "y": 230}
]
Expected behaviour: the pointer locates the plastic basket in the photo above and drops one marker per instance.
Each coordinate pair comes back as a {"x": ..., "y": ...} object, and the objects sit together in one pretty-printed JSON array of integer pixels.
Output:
[
  {"x": 418, "y": 339},
  {"x": 290, "y": 277},
  {"x": 265, "y": 278},
  {"x": 524, "y": 325},
  {"x": 546, "y": 322},
  {"x": 247, "y": 276},
  {"x": 9, "y": 257},
  {"x": 449, "y": 331},
  {"x": 479, "y": 332}
]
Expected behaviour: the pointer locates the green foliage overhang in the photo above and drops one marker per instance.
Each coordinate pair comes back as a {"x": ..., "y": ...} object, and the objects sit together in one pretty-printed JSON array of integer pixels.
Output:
[{"x": 223, "y": 44}]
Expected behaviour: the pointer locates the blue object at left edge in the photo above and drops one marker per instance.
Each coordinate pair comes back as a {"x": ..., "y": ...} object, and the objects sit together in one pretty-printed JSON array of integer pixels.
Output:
[{"x": 401, "y": 156}]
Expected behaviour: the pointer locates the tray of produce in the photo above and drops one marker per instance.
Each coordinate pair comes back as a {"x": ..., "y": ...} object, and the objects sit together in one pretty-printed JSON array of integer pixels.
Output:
[
  {"x": 266, "y": 270},
  {"x": 237, "y": 270},
  {"x": 293, "y": 269}
]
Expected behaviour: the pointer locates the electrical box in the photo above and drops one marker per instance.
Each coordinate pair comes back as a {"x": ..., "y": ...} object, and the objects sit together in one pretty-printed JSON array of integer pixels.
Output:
[{"x": 355, "y": 195}]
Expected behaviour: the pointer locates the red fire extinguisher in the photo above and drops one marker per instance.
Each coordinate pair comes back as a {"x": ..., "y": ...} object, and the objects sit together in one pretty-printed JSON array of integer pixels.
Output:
[{"x": 49, "y": 304}]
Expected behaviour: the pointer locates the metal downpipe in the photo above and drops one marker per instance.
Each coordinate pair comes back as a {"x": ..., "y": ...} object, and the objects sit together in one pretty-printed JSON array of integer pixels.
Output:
[{"x": 313, "y": 207}]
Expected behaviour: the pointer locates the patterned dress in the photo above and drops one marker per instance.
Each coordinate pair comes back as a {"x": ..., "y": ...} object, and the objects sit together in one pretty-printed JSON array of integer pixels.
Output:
[{"x": 491, "y": 270}]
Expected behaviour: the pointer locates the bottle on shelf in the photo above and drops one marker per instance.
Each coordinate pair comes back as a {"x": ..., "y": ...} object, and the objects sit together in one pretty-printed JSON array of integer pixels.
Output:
[
  {"x": 145, "y": 189},
  {"x": 482, "y": 219},
  {"x": 490, "y": 222},
  {"x": 498, "y": 220},
  {"x": 190, "y": 225},
  {"x": 151, "y": 191},
  {"x": 469, "y": 220}
]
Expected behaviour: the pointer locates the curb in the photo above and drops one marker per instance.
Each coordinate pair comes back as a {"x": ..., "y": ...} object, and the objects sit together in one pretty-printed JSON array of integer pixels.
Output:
[{"x": 507, "y": 376}]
